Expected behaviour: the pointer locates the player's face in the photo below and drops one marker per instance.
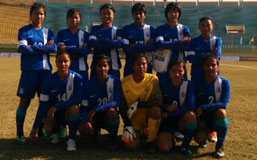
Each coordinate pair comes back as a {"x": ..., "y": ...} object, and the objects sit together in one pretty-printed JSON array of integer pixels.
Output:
[
  {"x": 140, "y": 66},
  {"x": 102, "y": 68},
  {"x": 138, "y": 17},
  {"x": 74, "y": 20},
  {"x": 210, "y": 67},
  {"x": 63, "y": 63},
  {"x": 106, "y": 15},
  {"x": 177, "y": 73},
  {"x": 173, "y": 15},
  {"x": 206, "y": 28},
  {"x": 37, "y": 16}
]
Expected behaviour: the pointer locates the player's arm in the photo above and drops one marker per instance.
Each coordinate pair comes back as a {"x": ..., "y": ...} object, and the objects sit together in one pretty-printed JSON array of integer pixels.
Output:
[
  {"x": 76, "y": 98},
  {"x": 123, "y": 108},
  {"x": 23, "y": 46},
  {"x": 93, "y": 39},
  {"x": 218, "y": 47},
  {"x": 84, "y": 104},
  {"x": 224, "y": 99},
  {"x": 116, "y": 42}
]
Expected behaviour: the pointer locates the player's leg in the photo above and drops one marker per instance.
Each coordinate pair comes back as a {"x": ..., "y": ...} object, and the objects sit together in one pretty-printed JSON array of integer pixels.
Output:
[
  {"x": 50, "y": 126},
  {"x": 187, "y": 124},
  {"x": 133, "y": 145},
  {"x": 221, "y": 126},
  {"x": 73, "y": 118},
  {"x": 112, "y": 125},
  {"x": 154, "y": 121}
]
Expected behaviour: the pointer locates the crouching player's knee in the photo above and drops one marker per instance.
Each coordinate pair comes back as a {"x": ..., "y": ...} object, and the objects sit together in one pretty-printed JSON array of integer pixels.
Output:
[{"x": 155, "y": 113}]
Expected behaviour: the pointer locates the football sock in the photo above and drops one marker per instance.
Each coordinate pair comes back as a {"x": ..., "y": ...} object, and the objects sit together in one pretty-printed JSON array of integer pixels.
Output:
[
  {"x": 221, "y": 128},
  {"x": 189, "y": 131},
  {"x": 153, "y": 127},
  {"x": 20, "y": 117},
  {"x": 73, "y": 123},
  {"x": 112, "y": 127}
]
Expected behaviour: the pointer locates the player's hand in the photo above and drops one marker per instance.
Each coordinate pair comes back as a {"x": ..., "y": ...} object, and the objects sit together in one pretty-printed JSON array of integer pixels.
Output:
[
  {"x": 89, "y": 128},
  {"x": 50, "y": 113},
  {"x": 50, "y": 43},
  {"x": 29, "y": 46},
  {"x": 199, "y": 111},
  {"x": 131, "y": 109},
  {"x": 91, "y": 115},
  {"x": 33, "y": 133},
  {"x": 150, "y": 41},
  {"x": 61, "y": 47},
  {"x": 116, "y": 38},
  {"x": 171, "y": 108},
  {"x": 128, "y": 134}
]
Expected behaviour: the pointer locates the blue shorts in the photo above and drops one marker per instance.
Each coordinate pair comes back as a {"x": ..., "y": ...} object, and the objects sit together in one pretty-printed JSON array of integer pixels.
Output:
[
  {"x": 59, "y": 116},
  {"x": 31, "y": 82},
  {"x": 169, "y": 125},
  {"x": 208, "y": 118}
]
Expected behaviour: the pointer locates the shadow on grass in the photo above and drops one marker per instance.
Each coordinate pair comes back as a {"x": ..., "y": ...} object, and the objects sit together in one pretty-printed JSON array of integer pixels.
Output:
[{"x": 87, "y": 148}]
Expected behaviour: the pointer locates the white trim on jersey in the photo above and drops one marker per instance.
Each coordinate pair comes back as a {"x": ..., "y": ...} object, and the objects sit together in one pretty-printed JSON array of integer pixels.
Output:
[
  {"x": 70, "y": 86},
  {"x": 189, "y": 53},
  {"x": 159, "y": 38},
  {"x": 84, "y": 102},
  {"x": 180, "y": 38},
  {"x": 110, "y": 88},
  {"x": 81, "y": 38},
  {"x": 92, "y": 37},
  {"x": 125, "y": 41},
  {"x": 147, "y": 36},
  {"x": 182, "y": 93},
  {"x": 114, "y": 56},
  {"x": 45, "y": 62},
  {"x": 161, "y": 60},
  {"x": 45, "y": 35},
  {"x": 82, "y": 65},
  {"x": 212, "y": 42},
  {"x": 22, "y": 42},
  {"x": 44, "y": 97},
  {"x": 218, "y": 88}
]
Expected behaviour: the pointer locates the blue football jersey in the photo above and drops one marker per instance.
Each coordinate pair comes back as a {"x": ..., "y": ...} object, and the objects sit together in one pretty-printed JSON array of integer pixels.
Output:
[
  {"x": 74, "y": 46},
  {"x": 212, "y": 96},
  {"x": 199, "y": 49},
  {"x": 140, "y": 37},
  {"x": 182, "y": 96},
  {"x": 59, "y": 93},
  {"x": 35, "y": 57},
  {"x": 100, "y": 96},
  {"x": 102, "y": 40}
]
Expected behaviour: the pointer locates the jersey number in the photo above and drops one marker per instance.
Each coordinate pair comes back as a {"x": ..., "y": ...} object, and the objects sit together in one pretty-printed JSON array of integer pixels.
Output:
[
  {"x": 175, "y": 103},
  {"x": 61, "y": 98},
  {"x": 102, "y": 101},
  {"x": 211, "y": 98}
]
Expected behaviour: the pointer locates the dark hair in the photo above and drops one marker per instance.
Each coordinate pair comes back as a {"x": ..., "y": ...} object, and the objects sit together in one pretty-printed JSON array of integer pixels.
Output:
[
  {"x": 172, "y": 6},
  {"x": 61, "y": 52},
  {"x": 138, "y": 7},
  {"x": 36, "y": 6},
  {"x": 210, "y": 56},
  {"x": 176, "y": 62},
  {"x": 100, "y": 57},
  {"x": 137, "y": 56},
  {"x": 109, "y": 6},
  {"x": 72, "y": 11},
  {"x": 206, "y": 18}
]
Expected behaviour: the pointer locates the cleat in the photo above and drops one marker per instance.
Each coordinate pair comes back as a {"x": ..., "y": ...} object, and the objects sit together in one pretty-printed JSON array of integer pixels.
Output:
[
  {"x": 151, "y": 147},
  {"x": 186, "y": 152},
  {"x": 220, "y": 151},
  {"x": 213, "y": 137},
  {"x": 179, "y": 135},
  {"x": 63, "y": 132},
  {"x": 55, "y": 138},
  {"x": 204, "y": 145},
  {"x": 20, "y": 140},
  {"x": 71, "y": 145}
]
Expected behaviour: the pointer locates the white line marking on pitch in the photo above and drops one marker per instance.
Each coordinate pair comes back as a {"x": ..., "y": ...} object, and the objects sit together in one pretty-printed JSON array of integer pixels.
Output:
[{"x": 247, "y": 67}]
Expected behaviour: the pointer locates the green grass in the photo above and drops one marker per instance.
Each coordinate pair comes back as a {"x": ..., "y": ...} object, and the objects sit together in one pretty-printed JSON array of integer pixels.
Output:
[{"x": 240, "y": 143}]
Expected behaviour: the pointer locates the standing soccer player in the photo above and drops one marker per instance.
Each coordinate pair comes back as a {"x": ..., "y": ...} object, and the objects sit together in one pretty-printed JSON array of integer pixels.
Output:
[
  {"x": 35, "y": 42},
  {"x": 140, "y": 105},
  {"x": 59, "y": 102},
  {"x": 105, "y": 39},
  {"x": 178, "y": 109},
  {"x": 212, "y": 97},
  {"x": 172, "y": 39},
  {"x": 203, "y": 45},
  {"x": 138, "y": 38},
  {"x": 74, "y": 41}
]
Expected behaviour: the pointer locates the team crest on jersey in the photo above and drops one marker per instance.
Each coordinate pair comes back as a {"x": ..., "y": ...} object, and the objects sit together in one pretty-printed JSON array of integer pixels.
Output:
[
  {"x": 147, "y": 89},
  {"x": 218, "y": 89},
  {"x": 21, "y": 90}
]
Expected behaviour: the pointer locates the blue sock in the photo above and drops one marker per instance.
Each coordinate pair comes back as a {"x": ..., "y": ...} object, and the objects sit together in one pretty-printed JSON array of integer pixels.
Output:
[
  {"x": 73, "y": 123},
  {"x": 221, "y": 128},
  {"x": 20, "y": 117},
  {"x": 112, "y": 128},
  {"x": 189, "y": 131}
]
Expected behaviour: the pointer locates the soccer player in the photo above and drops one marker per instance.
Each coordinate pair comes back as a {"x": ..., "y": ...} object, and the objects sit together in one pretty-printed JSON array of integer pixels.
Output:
[
  {"x": 101, "y": 97},
  {"x": 74, "y": 41},
  {"x": 105, "y": 39},
  {"x": 35, "y": 42},
  {"x": 172, "y": 39},
  {"x": 59, "y": 102},
  {"x": 212, "y": 94},
  {"x": 140, "y": 105},
  {"x": 203, "y": 45},
  {"x": 138, "y": 38},
  {"x": 178, "y": 109}
]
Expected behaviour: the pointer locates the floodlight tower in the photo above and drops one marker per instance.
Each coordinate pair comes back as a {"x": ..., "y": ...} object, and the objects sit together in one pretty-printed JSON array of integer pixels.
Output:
[{"x": 220, "y": 5}]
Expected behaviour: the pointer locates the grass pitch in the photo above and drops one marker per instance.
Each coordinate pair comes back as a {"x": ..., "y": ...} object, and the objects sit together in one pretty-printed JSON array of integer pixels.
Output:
[{"x": 241, "y": 141}]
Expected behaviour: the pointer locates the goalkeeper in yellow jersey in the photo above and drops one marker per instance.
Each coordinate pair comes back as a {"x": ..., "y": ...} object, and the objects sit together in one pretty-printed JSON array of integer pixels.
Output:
[{"x": 140, "y": 105}]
